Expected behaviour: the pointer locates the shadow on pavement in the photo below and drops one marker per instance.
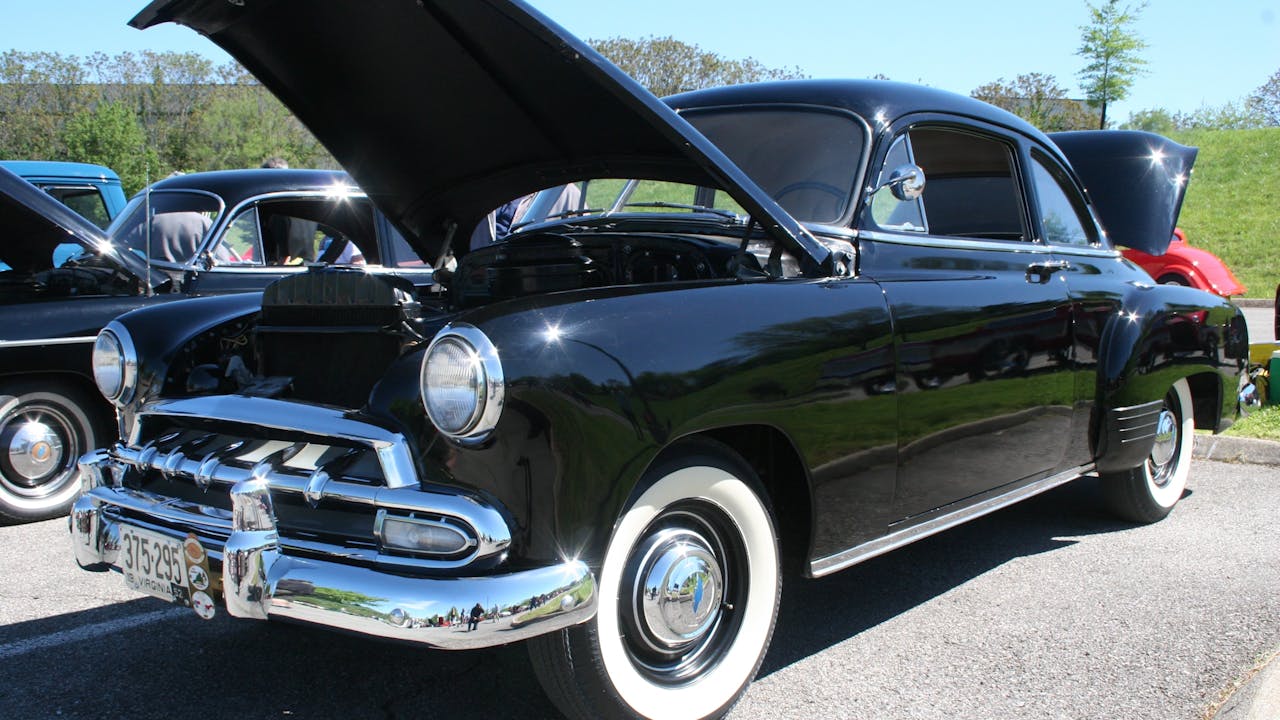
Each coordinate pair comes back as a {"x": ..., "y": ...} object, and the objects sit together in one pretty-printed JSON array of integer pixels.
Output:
[{"x": 817, "y": 614}]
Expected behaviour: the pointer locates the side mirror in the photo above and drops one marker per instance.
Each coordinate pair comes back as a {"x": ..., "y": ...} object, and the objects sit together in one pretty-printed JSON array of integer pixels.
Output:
[{"x": 906, "y": 182}]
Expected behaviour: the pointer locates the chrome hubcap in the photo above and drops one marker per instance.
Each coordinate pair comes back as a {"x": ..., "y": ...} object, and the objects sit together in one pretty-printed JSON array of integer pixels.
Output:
[
  {"x": 35, "y": 451},
  {"x": 683, "y": 588},
  {"x": 1165, "y": 448}
]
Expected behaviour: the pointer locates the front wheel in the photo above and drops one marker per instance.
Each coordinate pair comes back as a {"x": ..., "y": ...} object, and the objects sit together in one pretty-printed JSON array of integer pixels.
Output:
[
  {"x": 44, "y": 429},
  {"x": 1148, "y": 492},
  {"x": 689, "y": 593}
]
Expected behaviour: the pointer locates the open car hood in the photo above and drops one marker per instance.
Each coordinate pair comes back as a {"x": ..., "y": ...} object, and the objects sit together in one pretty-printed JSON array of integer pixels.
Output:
[
  {"x": 1136, "y": 181},
  {"x": 35, "y": 224},
  {"x": 443, "y": 110}
]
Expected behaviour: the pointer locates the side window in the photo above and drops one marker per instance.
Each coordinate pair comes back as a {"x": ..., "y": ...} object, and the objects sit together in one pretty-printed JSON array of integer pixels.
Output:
[
  {"x": 330, "y": 230},
  {"x": 1061, "y": 218},
  {"x": 887, "y": 211},
  {"x": 971, "y": 189},
  {"x": 86, "y": 200},
  {"x": 242, "y": 242}
]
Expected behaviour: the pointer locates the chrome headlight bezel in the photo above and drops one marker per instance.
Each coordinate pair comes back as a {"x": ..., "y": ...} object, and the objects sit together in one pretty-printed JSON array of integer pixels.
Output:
[
  {"x": 119, "y": 386},
  {"x": 481, "y": 356}
]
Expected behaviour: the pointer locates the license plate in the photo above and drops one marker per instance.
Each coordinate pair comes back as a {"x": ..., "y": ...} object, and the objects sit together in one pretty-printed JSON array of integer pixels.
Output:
[{"x": 152, "y": 563}]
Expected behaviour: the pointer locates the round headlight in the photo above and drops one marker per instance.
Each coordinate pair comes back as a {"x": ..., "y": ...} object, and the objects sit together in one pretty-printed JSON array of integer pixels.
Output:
[
  {"x": 462, "y": 383},
  {"x": 114, "y": 364}
]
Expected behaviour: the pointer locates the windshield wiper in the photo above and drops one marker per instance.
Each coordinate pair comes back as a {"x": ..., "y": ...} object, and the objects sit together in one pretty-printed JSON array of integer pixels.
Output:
[
  {"x": 556, "y": 216},
  {"x": 681, "y": 206}
]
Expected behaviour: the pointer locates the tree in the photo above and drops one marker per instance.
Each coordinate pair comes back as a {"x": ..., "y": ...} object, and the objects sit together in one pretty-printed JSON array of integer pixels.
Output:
[
  {"x": 243, "y": 124},
  {"x": 1228, "y": 116},
  {"x": 111, "y": 135},
  {"x": 38, "y": 91},
  {"x": 1038, "y": 99},
  {"x": 666, "y": 66},
  {"x": 1266, "y": 100},
  {"x": 1156, "y": 120},
  {"x": 1111, "y": 50}
]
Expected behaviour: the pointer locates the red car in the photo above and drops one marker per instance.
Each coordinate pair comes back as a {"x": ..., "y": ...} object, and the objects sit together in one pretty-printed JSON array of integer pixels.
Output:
[{"x": 1183, "y": 264}]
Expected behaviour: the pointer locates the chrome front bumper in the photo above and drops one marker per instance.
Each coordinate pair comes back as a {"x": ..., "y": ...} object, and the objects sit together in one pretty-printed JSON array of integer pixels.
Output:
[{"x": 260, "y": 581}]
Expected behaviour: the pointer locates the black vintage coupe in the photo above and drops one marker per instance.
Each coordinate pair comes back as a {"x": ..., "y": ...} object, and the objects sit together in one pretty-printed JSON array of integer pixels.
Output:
[
  {"x": 793, "y": 324},
  {"x": 62, "y": 279}
]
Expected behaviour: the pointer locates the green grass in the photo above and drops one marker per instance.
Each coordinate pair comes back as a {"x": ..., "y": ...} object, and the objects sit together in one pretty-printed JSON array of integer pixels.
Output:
[
  {"x": 1263, "y": 424},
  {"x": 1232, "y": 207}
]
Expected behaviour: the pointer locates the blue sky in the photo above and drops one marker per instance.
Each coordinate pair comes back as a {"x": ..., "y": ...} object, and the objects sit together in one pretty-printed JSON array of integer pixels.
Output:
[{"x": 1201, "y": 52}]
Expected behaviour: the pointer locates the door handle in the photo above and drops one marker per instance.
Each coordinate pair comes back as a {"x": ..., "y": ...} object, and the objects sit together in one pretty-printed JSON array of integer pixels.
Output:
[{"x": 1040, "y": 272}]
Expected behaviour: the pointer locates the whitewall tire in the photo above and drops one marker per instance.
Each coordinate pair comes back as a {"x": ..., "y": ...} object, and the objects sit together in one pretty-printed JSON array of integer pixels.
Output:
[
  {"x": 689, "y": 589},
  {"x": 1148, "y": 492}
]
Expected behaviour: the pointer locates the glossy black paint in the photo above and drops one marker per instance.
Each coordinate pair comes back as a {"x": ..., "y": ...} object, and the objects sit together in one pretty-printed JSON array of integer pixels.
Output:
[
  {"x": 940, "y": 371},
  {"x": 1136, "y": 180}
]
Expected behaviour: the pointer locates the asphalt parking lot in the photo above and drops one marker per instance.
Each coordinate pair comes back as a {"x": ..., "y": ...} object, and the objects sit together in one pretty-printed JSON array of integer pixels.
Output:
[{"x": 1049, "y": 609}]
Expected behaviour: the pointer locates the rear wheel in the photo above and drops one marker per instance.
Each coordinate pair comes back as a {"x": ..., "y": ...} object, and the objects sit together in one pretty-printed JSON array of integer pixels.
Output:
[
  {"x": 1174, "y": 280},
  {"x": 1148, "y": 493},
  {"x": 44, "y": 429},
  {"x": 689, "y": 593}
]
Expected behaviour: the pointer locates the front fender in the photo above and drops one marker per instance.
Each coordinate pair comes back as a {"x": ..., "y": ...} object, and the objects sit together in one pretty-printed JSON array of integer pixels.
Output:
[
  {"x": 1160, "y": 335},
  {"x": 152, "y": 332},
  {"x": 600, "y": 382}
]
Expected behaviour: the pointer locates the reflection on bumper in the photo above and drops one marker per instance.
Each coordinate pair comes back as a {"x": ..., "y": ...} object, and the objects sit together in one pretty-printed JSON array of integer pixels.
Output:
[{"x": 260, "y": 582}]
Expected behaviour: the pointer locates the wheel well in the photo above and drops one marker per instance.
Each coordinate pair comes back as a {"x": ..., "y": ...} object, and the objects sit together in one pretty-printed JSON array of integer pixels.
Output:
[
  {"x": 1174, "y": 276},
  {"x": 1206, "y": 397},
  {"x": 97, "y": 408},
  {"x": 776, "y": 461}
]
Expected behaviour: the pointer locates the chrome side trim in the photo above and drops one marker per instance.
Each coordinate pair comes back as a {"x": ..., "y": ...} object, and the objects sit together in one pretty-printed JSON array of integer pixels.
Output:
[
  {"x": 261, "y": 581},
  {"x": 1033, "y": 247},
  {"x": 1137, "y": 423},
  {"x": 47, "y": 341},
  {"x": 898, "y": 538}
]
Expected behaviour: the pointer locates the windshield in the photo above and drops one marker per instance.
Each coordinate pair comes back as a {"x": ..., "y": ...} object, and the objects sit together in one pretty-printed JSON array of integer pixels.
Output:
[
  {"x": 806, "y": 159},
  {"x": 174, "y": 221}
]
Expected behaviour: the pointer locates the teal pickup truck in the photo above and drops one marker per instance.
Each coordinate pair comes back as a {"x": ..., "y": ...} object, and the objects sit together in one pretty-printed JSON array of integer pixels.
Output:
[{"x": 94, "y": 191}]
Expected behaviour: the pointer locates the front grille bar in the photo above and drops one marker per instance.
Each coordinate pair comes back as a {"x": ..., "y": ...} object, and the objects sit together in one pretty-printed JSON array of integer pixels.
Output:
[{"x": 294, "y": 418}]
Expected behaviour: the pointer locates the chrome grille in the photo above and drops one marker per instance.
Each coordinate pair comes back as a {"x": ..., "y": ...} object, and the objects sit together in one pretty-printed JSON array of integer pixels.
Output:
[{"x": 329, "y": 474}]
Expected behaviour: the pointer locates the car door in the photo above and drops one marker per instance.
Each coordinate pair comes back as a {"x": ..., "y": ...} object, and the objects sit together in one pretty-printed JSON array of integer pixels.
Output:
[{"x": 982, "y": 318}]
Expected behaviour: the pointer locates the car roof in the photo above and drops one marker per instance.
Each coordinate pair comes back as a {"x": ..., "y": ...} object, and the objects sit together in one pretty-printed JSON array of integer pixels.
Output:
[
  {"x": 881, "y": 102},
  {"x": 60, "y": 169},
  {"x": 234, "y": 185}
]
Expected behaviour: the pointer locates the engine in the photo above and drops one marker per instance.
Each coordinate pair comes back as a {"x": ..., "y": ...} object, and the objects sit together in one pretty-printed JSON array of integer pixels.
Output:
[{"x": 330, "y": 334}]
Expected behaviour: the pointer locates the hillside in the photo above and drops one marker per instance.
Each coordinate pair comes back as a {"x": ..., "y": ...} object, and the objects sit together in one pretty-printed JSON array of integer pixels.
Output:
[{"x": 1232, "y": 207}]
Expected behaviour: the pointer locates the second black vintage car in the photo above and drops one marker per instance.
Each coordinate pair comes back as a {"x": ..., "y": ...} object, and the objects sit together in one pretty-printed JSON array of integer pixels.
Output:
[
  {"x": 62, "y": 280},
  {"x": 785, "y": 324}
]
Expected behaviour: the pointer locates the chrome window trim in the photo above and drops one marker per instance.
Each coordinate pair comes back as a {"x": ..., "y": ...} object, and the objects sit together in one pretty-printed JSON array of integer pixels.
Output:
[
  {"x": 125, "y": 213},
  {"x": 1029, "y": 247}
]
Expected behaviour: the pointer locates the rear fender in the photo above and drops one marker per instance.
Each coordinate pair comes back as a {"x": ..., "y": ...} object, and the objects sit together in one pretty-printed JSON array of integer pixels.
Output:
[{"x": 1163, "y": 334}]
